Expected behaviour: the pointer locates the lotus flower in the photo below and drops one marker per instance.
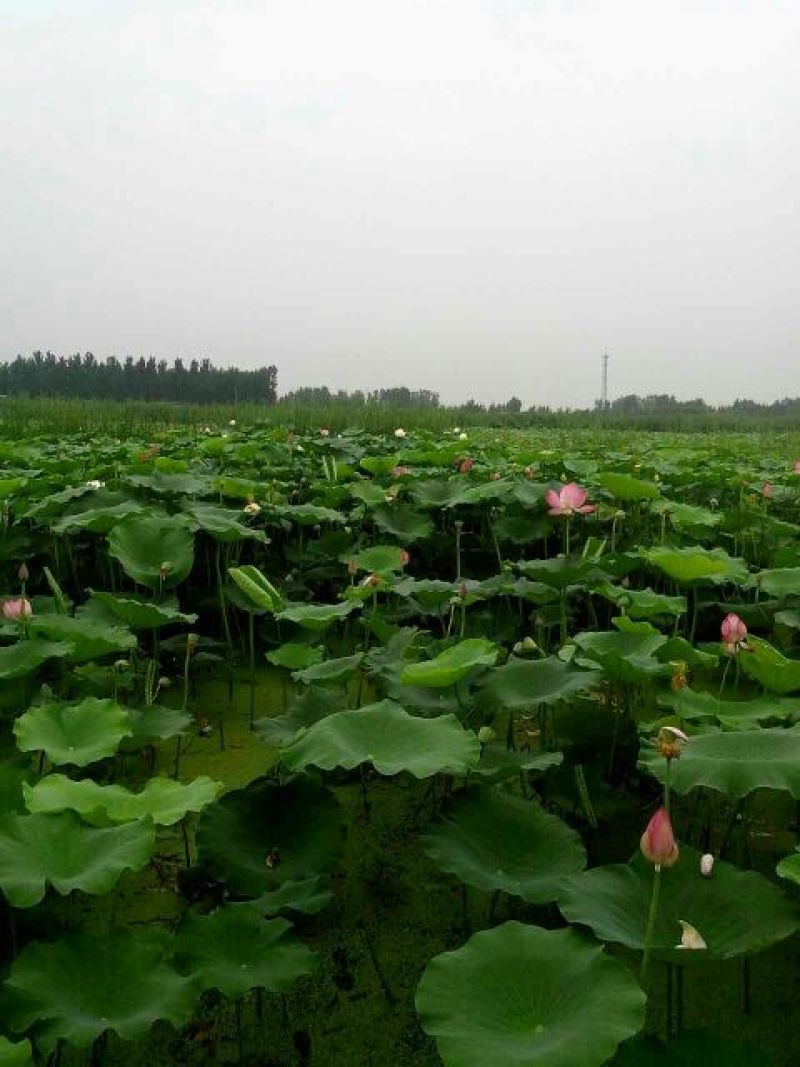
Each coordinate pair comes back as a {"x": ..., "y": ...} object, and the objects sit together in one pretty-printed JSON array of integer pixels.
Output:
[
  {"x": 734, "y": 633},
  {"x": 399, "y": 432},
  {"x": 691, "y": 938},
  {"x": 706, "y": 865},
  {"x": 400, "y": 471},
  {"x": 571, "y": 500},
  {"x": 658, "y": 842},
  {"x": 95, "y": 483},
  {"x": 766, "y": 490},
  {"x": 17, "y": 609},
  {"x": 466, "y": 465},
  {"x": 324, "y": 432},
  {"x": 797, "y": 466},
  {"x": 252, "y": 508}
]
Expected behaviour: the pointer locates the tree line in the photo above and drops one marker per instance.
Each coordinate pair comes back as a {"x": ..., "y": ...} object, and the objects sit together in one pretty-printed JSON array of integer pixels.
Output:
[{"x": 43, "y": 374}]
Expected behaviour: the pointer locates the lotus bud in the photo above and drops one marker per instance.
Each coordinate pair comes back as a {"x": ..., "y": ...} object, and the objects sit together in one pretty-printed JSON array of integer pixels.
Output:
[
  {"x": 17, "y": 610},
  {"x": 405, "y": 557},
  {"x": 797, "y": 466},
  {"x": 164, "y": 570},
  {"x": 352, "y": 567},
  {"x": 323, "y": 432},
  {"x": 658, "y": 842},
  {"x": 691, "y": 938},
  {"x": 734, "y": 633},
  {"x": 23, "y": 573},
  {"x": 494, "y": 476},
  {"x": 462, "y": 436},
  {"x": 766, "y": 490},
  {"x": 463, "y": 592},
  {"x": 486, "y": 734},
  {"x": 191, "y": 643},
  {"x": 232, "y": 422},
  {"x": 466, "y": 465},
  {"x": 457, "y": 429},
  {"x": 707, "y": 865}
]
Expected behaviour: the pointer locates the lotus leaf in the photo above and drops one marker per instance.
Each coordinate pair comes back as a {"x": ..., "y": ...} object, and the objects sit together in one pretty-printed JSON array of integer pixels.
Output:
[
  {"x": 308, "y": 897},
  {"x": 299, "y": 824},
  {"x": 317, "y": 617},
  {"x": 296, "y": 656},
  {"x": 690, "y": 1049},
  {"x": 767, "y": 665},
  {"x": 626, "y": 487},
  {"x": 386, "y": 736},
  {"x": 164, "y": 800},
  {"x": 90, "y": 638},
  {"x": 522, "y": 996},
  {"x": 452, "y": 665},
  {"x": 736, "y": 912},
  {"x": 78, "y": 734},
  {"x": 379, "y": 559},
  {"x": 734, "y": 762},
  {"x": 222, "y": 523},
  {"x": 142, "y": 614},
  {"x": 235, "y": 950},
  {"x": 154, "y": 551},
  {"x": 37, "y": 850},
  {"x": 695, "y": 564},
  {"x": 15, "y": 1055},
  {"x": 330, "y": 671},
  {"x": 402, "y": 522},
  {"x": 493, "y": 840},
  {"x": 25, "y": 657},
  {"x": 522, "y": 684},
  {"x": 78, "y": 987}
]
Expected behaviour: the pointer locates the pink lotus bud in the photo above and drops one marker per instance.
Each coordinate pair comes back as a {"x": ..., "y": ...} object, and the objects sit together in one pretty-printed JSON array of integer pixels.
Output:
[
  {"x": 23, "y": 573},
  {"x": 466, "y": 465},
  {"x": 734, "y": 632},
  {"x": 766, "y": 490},
  {"x": 405, "y": 557},
  {"x": 797, "y": 466},
  {"x": 658, "y": 842},
  {"x": 17, "y": 609}
]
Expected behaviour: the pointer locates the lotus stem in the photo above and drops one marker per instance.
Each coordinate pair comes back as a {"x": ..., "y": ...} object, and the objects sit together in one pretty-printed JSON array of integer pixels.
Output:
[
  {"x": 252, "y": 639},
  {"x": 651, "y": 922}
]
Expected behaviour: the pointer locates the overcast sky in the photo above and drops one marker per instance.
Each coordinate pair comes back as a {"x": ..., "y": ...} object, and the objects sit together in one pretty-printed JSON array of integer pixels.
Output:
[{"x": 471, "y": 196}]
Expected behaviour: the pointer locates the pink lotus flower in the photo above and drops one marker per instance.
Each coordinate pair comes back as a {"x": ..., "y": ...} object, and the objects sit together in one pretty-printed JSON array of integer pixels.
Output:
[
  {"x": 17, "y": 609},
  {"x": 658, "y": 842},
  {"x": 766, "y": 490},
  {"x": 570, "y": 501},
  {"x": 400, "y": 471},
  {"x": 466, "y": 465},
  {"x": 734, "y": 633}
]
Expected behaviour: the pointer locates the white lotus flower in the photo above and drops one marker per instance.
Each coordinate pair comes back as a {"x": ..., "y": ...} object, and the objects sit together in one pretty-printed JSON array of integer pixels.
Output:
[
  {"x": 252, "y": 508},
  {"x": 399, "y": 432},
  {"x": 462, "y": 436},
  {"x": 95, "y": 483},
  {"x": 707, "y": 865},
  {"x": 232, "y": 422}
]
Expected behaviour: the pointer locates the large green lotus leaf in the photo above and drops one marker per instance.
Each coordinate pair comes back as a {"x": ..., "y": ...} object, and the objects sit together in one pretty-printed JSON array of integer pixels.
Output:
[
  {"x": 678, "y": 649},
  {"x": 78, "y": 987},
  {"x": 499, "y": 763},
  {"x": 767, "y": 665},
  {"x": 691, "y": 517},
  {"x": 780, "y": 582},
  {"x": 368, "y": 493},
  {"x": 235, "y": 950},
  {"x": 696, "y": 564},
  {"x": 629, "y": 657},
  {"x": 98, "y": 519},
  {"x": 439, "y": 493},
  {"x": 27, "y": 656},
  {"x": 308, "y": 897},
  {"x": 17, "y": 1054},
  {"x": 431, "y": 593},
  {"x": 164, "y": 800},
  {"x": 155, "y": 722},
  {"x": 626, "y": 487},
  {"x": 296, "y": 656},
  {"x": 492, "y": 840},
  {"x": 222, "y": 523},
  {"x": 643, "y": 603},
  {"x": 692, "y": 1048},
  {"x": 78, "y": 734},
  {"x": 330, "y": 671},
  {"x": 37, "y": 850},
  {"x": 450, "y": 666},
  {"x": 148, "y": 546},
  {"x": 732, "y": 714},
  {"x": 317, "y": 617},
  {"x": 386, "y": 736},
  {"x": 141, "y": 614},
  {"x": 734, "y": 762},
  {"x": 403, "y": 522},
  {"x": 90, "y": 638},
  {"x": 299, "y": 824},
  {"x": 379, "y": 559},
  {"x": 173, "y": 483},
  {"x": 560, "y": 573},
  {"x": 521, "y": 684},
  {"x": 521, "y": 996},
  {"x": 736, "y": 912},
  {"x": 309, "y": 514},
  {"x": 789, "y": 867}
]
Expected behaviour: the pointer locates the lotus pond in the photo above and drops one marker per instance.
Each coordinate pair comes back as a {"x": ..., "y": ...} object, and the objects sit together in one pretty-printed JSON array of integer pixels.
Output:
[{"x": 478, "y": 749}]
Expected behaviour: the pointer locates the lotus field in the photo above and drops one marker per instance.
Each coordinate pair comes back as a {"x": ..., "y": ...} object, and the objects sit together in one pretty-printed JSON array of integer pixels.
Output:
[{"x": 408, "y": 748}]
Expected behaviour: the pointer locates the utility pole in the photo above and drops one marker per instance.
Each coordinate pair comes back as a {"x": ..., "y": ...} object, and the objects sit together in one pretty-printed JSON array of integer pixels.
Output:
[{"x": 605, "y": 382}]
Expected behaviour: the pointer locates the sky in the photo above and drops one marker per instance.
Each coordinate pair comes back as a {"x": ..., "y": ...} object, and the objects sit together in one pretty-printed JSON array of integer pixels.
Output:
[{"x": 476, "y": 197}]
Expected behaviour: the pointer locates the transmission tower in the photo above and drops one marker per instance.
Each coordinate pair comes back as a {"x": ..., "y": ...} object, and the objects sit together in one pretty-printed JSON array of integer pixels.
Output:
[{"x": 605, "y": 382}]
